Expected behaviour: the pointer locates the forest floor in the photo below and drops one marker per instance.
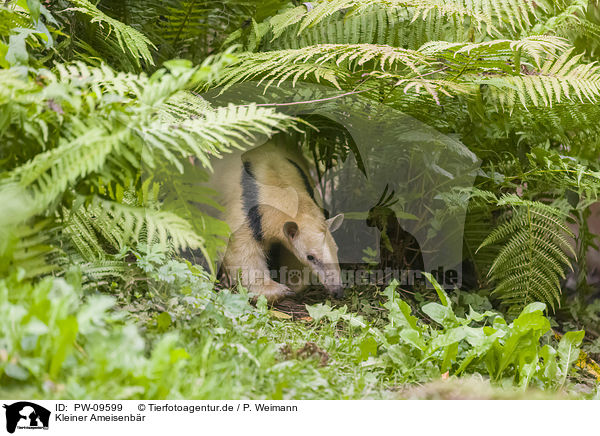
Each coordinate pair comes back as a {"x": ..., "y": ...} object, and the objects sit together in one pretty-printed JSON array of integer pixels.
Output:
[{"x": 177, "y": 338}]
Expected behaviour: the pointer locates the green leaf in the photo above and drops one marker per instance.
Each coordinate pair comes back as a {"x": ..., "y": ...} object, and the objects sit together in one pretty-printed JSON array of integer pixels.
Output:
[
  {"x": 406, "y": 311},
  {"x": 67, "y": 334},
  {"x": 414, "y": 338},
  {"x": 17, "y": 49},
  {"x": 568, "y": 351},
  {"x": 318, "y": 311},
  {"x": 163, "y": 321},
  {"x": 549, "y": 366},
  {"x": 15, "y": 371},
  {"x": 532, "y": 321},
  {"x": 441, "y": 314},
  {"x": 478, "y": 317},
  {"x": 440, "y": 291},
  {"x": 34, "y": 9},
  {"x": 450, "y": 353},
  {"x": 178, "y": 354},
  {"x": 234, "y": 305},
  {"x": 368, "y": 347},
  {"x": 448, "y": 337},
  {"x": 3, "y": 51},
  {"x": 534, "y": 307}
]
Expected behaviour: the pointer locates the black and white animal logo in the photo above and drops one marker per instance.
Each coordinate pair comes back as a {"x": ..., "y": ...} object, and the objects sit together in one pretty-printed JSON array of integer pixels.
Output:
[{"x": 26, "y": 415}]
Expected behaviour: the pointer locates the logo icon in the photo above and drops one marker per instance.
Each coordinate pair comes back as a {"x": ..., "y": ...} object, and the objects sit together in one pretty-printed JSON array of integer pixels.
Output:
[{"x": 26, "y": 415}]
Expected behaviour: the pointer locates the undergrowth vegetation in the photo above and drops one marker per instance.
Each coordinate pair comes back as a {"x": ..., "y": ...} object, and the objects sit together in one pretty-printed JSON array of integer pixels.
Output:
[
  {"x": 209, "y": 345},
  {"x": 98, "y": 100}
]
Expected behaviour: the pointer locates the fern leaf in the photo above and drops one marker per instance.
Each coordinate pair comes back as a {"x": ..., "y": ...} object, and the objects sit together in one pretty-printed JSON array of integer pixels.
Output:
[
  {"x": 530, "y": 264},
  {"x": 558, "y": 78},
  {"x": 49, "y": 173},
  {"x": 129, "y": 40},
  {"x": 127, "y": 226},
  {"x": 212, "y": 133},
  {"x": 324, "y": 61}
]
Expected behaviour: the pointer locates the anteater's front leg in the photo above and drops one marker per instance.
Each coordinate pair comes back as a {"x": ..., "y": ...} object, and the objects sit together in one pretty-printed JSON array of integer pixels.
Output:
[{"x": 245, "y": 261}]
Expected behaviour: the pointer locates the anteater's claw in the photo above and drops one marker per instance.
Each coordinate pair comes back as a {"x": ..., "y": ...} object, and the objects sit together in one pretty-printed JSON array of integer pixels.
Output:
[{"x": 288, "y": 293}]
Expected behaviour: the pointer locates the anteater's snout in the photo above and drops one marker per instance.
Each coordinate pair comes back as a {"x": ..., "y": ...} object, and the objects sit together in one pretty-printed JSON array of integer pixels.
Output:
[{"x": 336, "y": 291}]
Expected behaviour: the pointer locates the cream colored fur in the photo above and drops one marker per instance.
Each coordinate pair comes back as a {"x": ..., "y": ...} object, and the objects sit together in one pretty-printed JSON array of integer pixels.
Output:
[{"x": 282, "y": 199}]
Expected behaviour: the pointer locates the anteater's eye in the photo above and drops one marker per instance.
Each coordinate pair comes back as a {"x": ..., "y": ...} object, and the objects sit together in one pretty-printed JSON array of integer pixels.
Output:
[{"x": 310, "y": 258}]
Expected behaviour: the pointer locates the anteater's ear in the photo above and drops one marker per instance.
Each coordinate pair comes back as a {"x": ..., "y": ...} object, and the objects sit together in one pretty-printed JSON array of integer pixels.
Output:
[
  {"x": 290, "y": 229},
  {"x": 335, "y": 223}
]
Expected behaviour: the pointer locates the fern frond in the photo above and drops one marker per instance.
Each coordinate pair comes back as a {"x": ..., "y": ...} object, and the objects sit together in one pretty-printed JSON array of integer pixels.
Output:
[
  {"x": 103, "y": 270},
  {"x": 100, "y": 80},
  {"x": 48, "y": 174},
  {"x": 130, "y": 41},
  {"x": 485, "y": 16},
  {"x": 11, "y": 19},
  {"x": 216, "y": 131},
  {"x": 497, "y": 49},
  {"x": 457, "y": 10},
  {"x": 569, "y": 18},
  {"x": 31, "y": 249},
  {"x": 127, "y": 226},
  {"x": 376, "y": 25},
  {"x": 433, "y": 87},
  {"x": 184, "y": 196},
  {"x": 530, "y": 264},
  {"x": 558, "y": 78},
  {"x": 279, "y": 66},
  {"x": 324, "y": 61},
  {"x": 184, "y": 105}
]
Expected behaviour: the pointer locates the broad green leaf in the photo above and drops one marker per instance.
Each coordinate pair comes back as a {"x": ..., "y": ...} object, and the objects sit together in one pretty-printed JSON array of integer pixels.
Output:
[
  {"x": 568, "y": 351},
  {"x": 368, "y": 347},
  {"x": 406, "y": 311},
  {"x": 15, "y": 371},
  {"x": 527, "y": 371},
  {"x": 534, "y": 307},
  {"x": 532, "y": 321},
  {"x": 67, "y": 334},
  {"x": 441, "y": 314},
  {"x": 450, "y": 353},
  {"x": 398, "y": 355},
  {"x": 178, "y": 354},
  {"x": 478, "y": 317},
  {"x": 390, "y": 291},
  {"x": 354, "y": 320},
  {"x": 414, "y": 338},
  {"x": 318, "y": 311},
  {"x": 17, "y": 50},
  {"x": 440, "y": 291},
  {"x": 34, "y": 9},
  {"x": 163, "y": 321},
  {"x": 549, "y": 366},
  {"x": 400, "y": 314},
  {"x": 234, "y": 304}
]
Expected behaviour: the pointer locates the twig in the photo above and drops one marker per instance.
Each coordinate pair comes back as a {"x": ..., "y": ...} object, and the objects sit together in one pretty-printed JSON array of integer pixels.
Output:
[{"x": 318, "y": 100}]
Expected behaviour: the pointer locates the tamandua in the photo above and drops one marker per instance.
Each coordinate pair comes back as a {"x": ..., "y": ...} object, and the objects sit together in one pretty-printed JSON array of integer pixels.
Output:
[{"x": 268, "y": 202}]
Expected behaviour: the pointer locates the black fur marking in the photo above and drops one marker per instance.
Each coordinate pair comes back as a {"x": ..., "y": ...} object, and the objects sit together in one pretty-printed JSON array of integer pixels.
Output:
[
  {"x": 307, "y": 185},
  {"x": 250, "y": 201}
]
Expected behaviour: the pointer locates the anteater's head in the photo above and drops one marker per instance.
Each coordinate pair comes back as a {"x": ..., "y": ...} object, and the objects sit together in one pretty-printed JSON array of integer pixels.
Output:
[{"x": 309, "y": 238}]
